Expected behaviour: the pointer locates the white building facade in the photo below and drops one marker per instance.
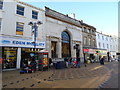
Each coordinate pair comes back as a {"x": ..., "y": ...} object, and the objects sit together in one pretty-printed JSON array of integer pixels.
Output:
[
  {"x": 108, "y": 43},
  {"x": 16, "y": 37}
]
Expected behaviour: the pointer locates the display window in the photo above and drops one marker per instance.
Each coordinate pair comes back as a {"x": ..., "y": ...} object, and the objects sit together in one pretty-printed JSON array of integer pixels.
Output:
[
  {"x": 27, "y": 54},
  {"x": 9, "y": 56}
]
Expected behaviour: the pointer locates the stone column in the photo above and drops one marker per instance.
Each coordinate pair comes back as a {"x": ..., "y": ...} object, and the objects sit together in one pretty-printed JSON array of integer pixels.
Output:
[
  {"x": 73, "y": 51},
  {"x": 48, "y": 46},
  {"x": 18, "y": 58}
]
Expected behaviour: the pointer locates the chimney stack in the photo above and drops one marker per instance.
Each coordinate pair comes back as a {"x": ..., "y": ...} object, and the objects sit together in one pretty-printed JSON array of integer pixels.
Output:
[{"x": 72, "y": 15}]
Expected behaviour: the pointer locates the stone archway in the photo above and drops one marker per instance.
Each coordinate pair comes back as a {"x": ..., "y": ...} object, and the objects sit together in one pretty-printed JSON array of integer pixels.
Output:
[{"x": 66, "y": 49}]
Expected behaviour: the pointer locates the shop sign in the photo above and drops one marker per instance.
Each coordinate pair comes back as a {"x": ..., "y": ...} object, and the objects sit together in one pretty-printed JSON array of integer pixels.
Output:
[
  {"x": 85, "y": 50},
  {"x": 91, "y": 51},
  {"x": 14, "y": 42}
]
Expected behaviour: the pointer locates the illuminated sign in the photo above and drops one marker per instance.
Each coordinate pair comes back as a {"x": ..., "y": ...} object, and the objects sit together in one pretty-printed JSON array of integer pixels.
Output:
[{"x": 14, "y": 42}]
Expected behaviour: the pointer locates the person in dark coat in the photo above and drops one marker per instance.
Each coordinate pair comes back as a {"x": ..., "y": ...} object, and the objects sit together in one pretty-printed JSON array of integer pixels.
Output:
[
  {"x": 102, "y": 60},
  {"x": 33, "y": 63},
  {"x": 85, "y": 63},
  {"x": 50, "y": 62},
  {"x": 78, "y": 63}
]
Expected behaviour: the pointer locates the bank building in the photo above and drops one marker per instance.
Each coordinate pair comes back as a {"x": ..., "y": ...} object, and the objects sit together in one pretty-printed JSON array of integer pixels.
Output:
[{"x": 59, "y": 34}]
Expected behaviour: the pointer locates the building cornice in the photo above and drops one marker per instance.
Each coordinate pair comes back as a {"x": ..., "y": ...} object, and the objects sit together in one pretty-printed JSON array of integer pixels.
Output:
[
  {"x": 29, "y": 5},
  {"x": 59, "y": 16}
]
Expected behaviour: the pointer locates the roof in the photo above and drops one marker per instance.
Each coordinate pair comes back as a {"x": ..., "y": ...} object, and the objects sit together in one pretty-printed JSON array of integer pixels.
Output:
[{"x": 56, "y": 15}]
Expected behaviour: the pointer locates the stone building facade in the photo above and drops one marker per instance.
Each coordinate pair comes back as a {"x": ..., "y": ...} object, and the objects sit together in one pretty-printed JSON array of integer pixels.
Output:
[
  {"x": 89, "y": 41},
  {"x": 63, "y": 34}
]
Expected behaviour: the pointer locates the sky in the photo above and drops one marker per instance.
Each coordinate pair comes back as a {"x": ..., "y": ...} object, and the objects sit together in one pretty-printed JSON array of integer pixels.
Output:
[{"x": 102, "y": 15}]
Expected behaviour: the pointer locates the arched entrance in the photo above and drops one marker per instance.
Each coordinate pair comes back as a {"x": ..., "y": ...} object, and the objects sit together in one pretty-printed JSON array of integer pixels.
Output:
[{"x": 66, "y": 50}]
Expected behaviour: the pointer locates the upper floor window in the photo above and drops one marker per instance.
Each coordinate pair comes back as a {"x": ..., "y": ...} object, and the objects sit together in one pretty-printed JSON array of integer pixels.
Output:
[
  {"x": 98, "y": 36},
  {"x": 34, "y": 15},
  {"x": 107, "y": 46},
  {"x": 103, "y": 37},
  {"x": 94, "y": 43},
  {"x": 19, "y": 28},
  {"x": 1, "y": 4},
  {"x": 85, "y": 40},
  {"x": 103, "y": 45},
  {"x": 0, "y": 23},
  {"x": 106, "y": 38},
  {"x": 89, "y": 42},
  {"x": 20, "y": 10},
  {"x": 99, "y": 45}
]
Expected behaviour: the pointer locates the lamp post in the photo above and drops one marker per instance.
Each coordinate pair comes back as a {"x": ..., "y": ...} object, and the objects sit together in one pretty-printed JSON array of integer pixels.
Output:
[{"x": 34, "y": 26}]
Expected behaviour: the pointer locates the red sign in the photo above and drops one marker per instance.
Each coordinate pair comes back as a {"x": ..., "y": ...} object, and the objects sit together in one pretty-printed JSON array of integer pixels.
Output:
[{"x": 85, "y": 50}]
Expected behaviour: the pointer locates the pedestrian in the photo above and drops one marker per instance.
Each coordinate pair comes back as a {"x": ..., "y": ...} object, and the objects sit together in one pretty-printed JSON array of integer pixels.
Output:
[
  {"x": 66, "y": 61},
  {"x": 78, "y": 63},
  {"x": 102, "y": 60},
  {"x": 85, "y": 63},
  {"x": 50, "y": 63},
  {"x": 33, "y": 63}
]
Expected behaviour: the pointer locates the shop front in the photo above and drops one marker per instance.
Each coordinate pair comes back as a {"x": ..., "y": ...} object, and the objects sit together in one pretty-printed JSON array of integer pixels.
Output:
[
  {"x": 101, "y": 52},
  {"x": 89, "y": 54},
  {"x": 15, "y": 51}
]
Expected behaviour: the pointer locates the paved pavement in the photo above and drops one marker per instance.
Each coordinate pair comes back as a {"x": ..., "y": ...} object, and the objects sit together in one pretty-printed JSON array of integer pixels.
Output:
[
  {"x": 112, "y": 82},
  {"x": 84, "y": 77}
]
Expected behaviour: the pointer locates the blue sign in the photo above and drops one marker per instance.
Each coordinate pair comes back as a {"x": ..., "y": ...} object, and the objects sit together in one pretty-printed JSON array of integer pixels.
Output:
[{"x": 21, "y": 43}]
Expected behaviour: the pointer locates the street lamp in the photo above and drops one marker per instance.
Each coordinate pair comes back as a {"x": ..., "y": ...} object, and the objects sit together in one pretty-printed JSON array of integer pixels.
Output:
[{"x": 34, "y": 26}]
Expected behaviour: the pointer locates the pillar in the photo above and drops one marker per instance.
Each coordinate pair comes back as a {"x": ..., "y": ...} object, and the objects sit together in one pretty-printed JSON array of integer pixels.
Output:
[{"x": 18, "y": 58}]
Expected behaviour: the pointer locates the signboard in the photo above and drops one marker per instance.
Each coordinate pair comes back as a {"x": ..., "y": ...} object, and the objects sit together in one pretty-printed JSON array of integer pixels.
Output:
[
  {"x": 91, "y": 51},
  {"x": 18, "y": 42},
  {"x": 85, "y": 50}
]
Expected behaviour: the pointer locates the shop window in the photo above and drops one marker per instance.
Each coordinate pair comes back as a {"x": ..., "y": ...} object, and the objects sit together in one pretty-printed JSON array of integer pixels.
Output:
[
  {"x": 20, "y": 10},
  {"x": 27, "y": 54},
  {"x": 1, "y": 4},
  {"x": 9, "y": 57},
  {"x": 34, "y": 15},
  {"x": 19, "y": 28}
]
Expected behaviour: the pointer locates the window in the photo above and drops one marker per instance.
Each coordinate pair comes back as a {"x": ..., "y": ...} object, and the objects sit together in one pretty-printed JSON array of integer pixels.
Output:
[
  {"x": 107, "y": 46},
  {"x": 98, "y": 36},
  {"x": 99, "y": 45},
  {"x": 103, "y": 45},
  {"x": 106, "y": 38},
  {"x": 89, "y": 42},
  {"x": 0, "y": 23},
  {"x": 34, "y": 14},
  {"x": 103, "y": 37},
  {"x": 20, "y": 10},
  {"x": 85, "y": 40},
  {"x": 1, "y": 4},
  {"x": 94, "y": 43},
  {"x": 10, "y": 57},
  {"x": 19, "y": 28}
]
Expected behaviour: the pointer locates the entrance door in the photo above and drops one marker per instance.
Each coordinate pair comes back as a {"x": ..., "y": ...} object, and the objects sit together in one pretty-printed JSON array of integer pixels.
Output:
[
  {"x": 66, "y": 52},
  {"x": 53, "y": 49}
]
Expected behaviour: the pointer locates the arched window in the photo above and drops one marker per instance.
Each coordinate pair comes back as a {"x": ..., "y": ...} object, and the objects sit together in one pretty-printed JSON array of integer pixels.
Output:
[
  {"x": 66, "y": 50},
  {"x": 65, "y": 37}
]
